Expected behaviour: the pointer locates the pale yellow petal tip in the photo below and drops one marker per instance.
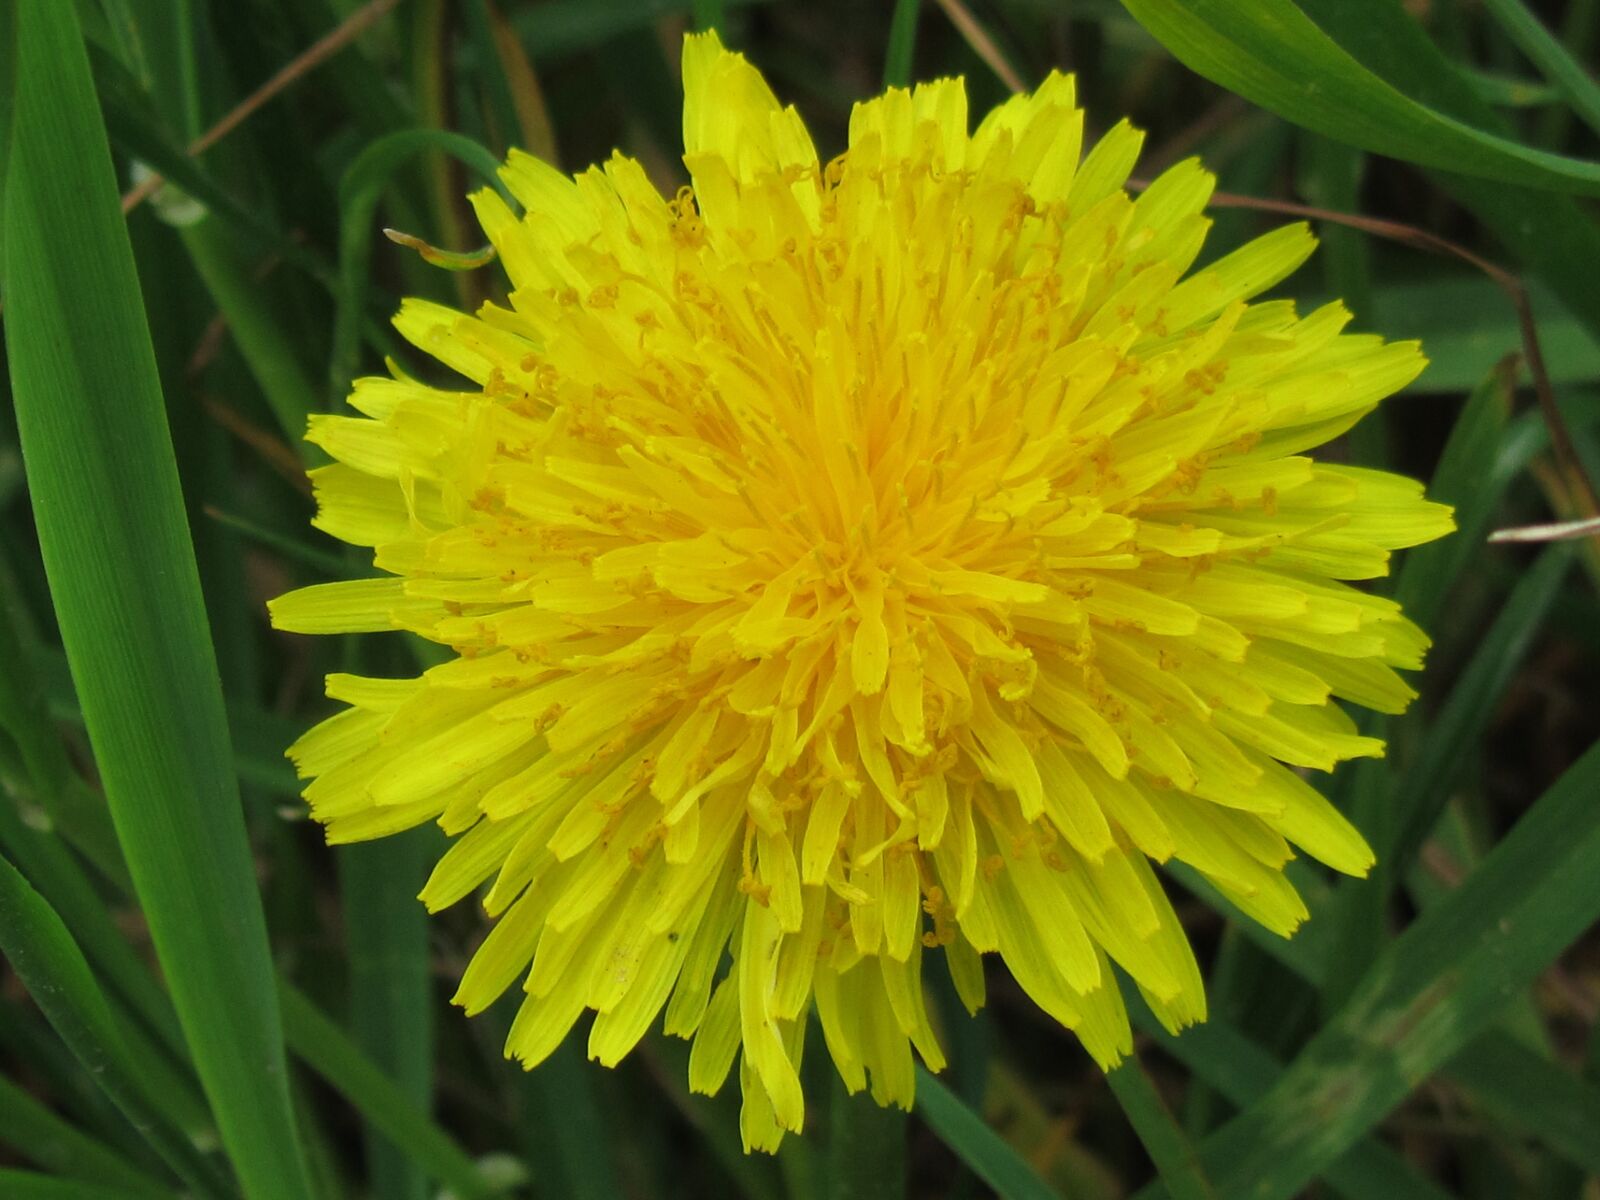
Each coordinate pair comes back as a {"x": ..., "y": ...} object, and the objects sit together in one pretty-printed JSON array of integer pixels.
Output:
[
  {"x": 1058, "y": 87},
  {"x": 1306, "y": 237},
  {"x": 317, "y": 427},
  {"x": 422, "y": 317},
  {"x": 433, "y": 902},
  {"x": 707, "y": 66},
  {"x": 294, "y": 612},
  {"x": 1416, "y": 364},
  {"x": 345, "y": 606},
  {"x": 295, "y": 752},
  {"x": 473, "y": 1000},
  {"x": 1355, "y": 856},
  {"x": 1108, "y": 1058},
  {"x": 1359, "y": 868},
  {"x": 727, "y": 106},
  {"x": 336, "y": 835},
  {"x": 700, "y": 50}
]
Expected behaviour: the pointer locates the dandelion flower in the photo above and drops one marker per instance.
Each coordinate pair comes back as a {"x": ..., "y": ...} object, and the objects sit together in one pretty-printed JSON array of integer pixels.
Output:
[{"x": 851, "y": 564}]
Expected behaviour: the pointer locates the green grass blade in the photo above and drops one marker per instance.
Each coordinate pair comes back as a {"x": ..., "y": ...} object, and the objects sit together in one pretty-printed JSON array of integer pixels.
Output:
[
  {"x": 561, "y": 27},
  {"x": 43, "y": 1058},
  {"x": 52, "y": 968},
  {"x": 268, "y": 349},
  {"x": 1434, "y": 988},
  {"x": 902, "y": 44},
  {"x": 1397, "y": 817},
  {"x": 1550, "y": 56},
  {"x": 1170, "y": 1151},
  {"x": 49, "y": 865},
  {"x": 53, "y": 870},
  {"x": 1467, "y": 327},
  {"x": 258, "y": 738},
  {"x": 359, "y": 192},
  {"x": 568, "y": 1135},
  {"x": 1514, "y": 1084},
  {"x": 111, "y": 525},
  {"x": 1505, "y": 92},
  {"x": 1446, "y": 750},
  {"x": 8, "y": 93},
  {"x": 44, "y": 1139},
  {"x": 1580, "y": 28},
  {"x": 866, "y": 1148},
  {"x": 325, "y": 1048},
  {"x": 136, "y": 132},
  {"x": 30, "y": 1185},
  {"x": 322, "y": 563},
  {"x": 34, "y": 840},
  {"x": 69, "y": 809},
  {"x": 1550, "y": 234},
  {"x": 1329, "y": 176},
  {"x": 1266, "y": 51},
  {"x": 589, "y": 1170},
  {"x": 391, "y": 993},
  {"x": 331, "y": 1054},
  {"x": 984, "y": 1152},
  {"x": 499, "y": 106},
  {"x": 708, "y": 14},
  {"x": 1239, "y": 1069},
  {"x": 1547, "y": 232},
  {"x": 1242, "y": 1071},
  {"x": 1473, "y": 474},
  {"x": 319, "y": 1137}
]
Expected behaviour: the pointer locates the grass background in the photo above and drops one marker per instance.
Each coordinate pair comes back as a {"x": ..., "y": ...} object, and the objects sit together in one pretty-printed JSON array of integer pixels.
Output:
[{"x": 198, "y": 998}]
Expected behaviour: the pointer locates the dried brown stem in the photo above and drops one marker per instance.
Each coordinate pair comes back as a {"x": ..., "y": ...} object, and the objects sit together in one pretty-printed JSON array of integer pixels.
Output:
[
  {"x": 982, "y": 44},
  {"x": 273, "y": 449},
  {"x": 1561, "y": 441},
  {"x": 308, "y": 60},
  {"x": 1221, "y": 114},
  {"x": 1558, "y": 531}
]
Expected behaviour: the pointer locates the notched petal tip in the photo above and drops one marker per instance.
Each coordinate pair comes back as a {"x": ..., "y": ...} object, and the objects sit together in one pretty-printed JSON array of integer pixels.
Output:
[{"x": 730, "y": 113}]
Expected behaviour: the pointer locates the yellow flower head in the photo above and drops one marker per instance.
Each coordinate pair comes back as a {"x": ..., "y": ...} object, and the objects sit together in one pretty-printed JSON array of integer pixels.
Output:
[{"x": 850, "y": 561}]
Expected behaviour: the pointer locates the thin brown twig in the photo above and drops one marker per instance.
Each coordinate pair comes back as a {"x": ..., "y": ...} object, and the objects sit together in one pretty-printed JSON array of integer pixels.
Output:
[
  {"x": 1555, "y": 531},
  {"x": 1224, "y": 112},
  {"x": 216, "y": 330},
  {"x": 982, "y": 44},
  {"x": 308, "y": 60},
  {"x": 1560, "y": 433},
  {"x": 272, "y": 448},
  {"x": 1561, "y": 441},
  {"x": 1442, "y": 865},
  {"x": 1578, "y": 998},
  {"x": 207, "y": 348}
]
